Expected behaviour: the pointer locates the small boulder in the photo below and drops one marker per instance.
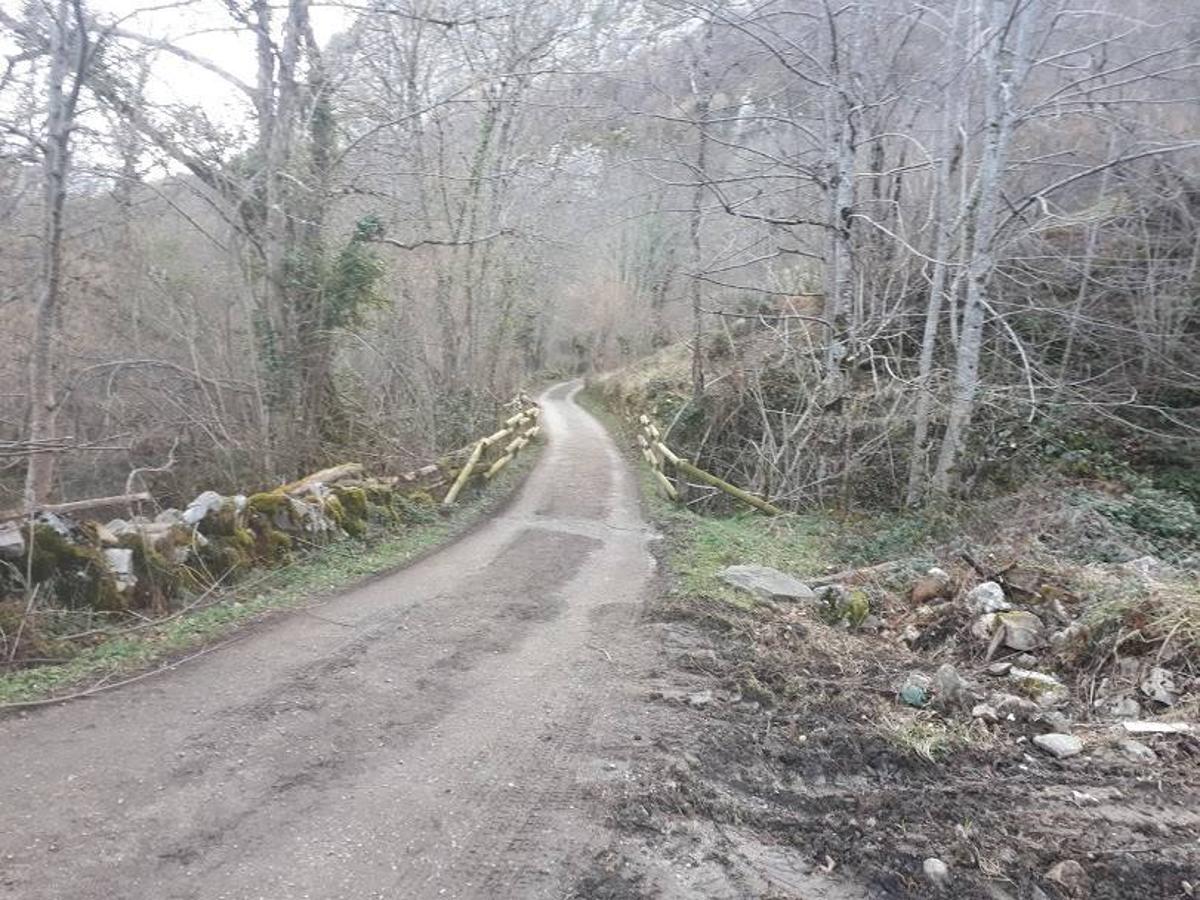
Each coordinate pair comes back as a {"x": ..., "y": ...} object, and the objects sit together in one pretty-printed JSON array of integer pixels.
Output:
[
  {"x": 1018, "y": 709},
  {"x": 933, "y": 585},
  {"x": 949, "y": 688},
  {"x": 700, "y": 699},
  {"x": 1045, "y": 689},
  {"x": 985, "y": 712},
  {"x": 1159, "y": 686},
  {"x": 914, "y": 690},
  {"x": 767, "y": 583},
  {"x": 1070, "y": 876},
  {"x": 987, "y": 597},
  {"x": 120, "y": 563},
  {"x": 169, "y": 517},
  {"x": 1136, "y": 751},
  {"x": 1125, "y": 708},
  {"x": 201, "y": 507},
  {"x": 984, "y": 627},
  {"x": 1060, "y": 746},
  {"x": 12, "y": 542},
  {"x": 1022, "y": 630},
  {"x": 936, "y": 871}
]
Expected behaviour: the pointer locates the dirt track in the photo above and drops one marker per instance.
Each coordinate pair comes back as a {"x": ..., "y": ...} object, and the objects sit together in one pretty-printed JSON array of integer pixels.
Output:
[{"x": 450, "y": 730}]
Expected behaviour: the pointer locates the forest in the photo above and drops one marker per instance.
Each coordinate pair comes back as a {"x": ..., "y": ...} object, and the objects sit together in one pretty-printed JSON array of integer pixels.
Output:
[{"x": 904, "y": 249}]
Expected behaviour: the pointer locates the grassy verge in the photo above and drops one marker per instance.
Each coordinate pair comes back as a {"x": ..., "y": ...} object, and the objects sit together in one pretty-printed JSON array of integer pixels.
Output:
[
  {"x": 697, "y": 547},
  {"x": 328, "y": 570}
]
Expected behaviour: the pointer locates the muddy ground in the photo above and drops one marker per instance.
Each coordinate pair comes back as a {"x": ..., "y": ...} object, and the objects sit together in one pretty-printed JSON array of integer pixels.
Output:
[{"x": 802, "y": 775}]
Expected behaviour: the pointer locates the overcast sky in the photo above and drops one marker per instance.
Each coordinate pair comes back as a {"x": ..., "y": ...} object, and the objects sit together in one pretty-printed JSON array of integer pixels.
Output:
[{"x": 204, "y": 28}]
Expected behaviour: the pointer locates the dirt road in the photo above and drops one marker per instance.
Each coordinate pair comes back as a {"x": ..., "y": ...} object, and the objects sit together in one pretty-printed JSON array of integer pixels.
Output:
[{"x": 446, "y": 731}]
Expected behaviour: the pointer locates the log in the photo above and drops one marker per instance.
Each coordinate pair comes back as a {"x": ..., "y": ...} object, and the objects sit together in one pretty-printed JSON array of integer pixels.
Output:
[
  {"x": 514, "y": 421},
  {"x": 331, "y": 475},
  {"x": 497, "y": 466},
  {"x": 667, "y": 487},
  {"x": 745, "y": 496},
  {"x": 498, "y": 436},
  {"x": 465, "y": 474},
  {"x": 533, "y": 432},
  {"x": 667, "y": 453},
  {"x": 516, "y": 445},
  {"x": 80, "y": 505}
]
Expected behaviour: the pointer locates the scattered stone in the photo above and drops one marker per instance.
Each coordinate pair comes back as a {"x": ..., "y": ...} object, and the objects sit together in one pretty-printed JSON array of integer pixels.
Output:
[
  {"x": 986, "y": 712},
  {"x": 985, "y": 626},
  {"x": 987, "y": 597},
  {"x": 767, "y": 583},
  {"x": 1159, "y": 686},
  {"x": 201, "y": 507},
  {"x": 120, "y": 563},
  {"x": 1045, "y": 689},
  {"x": 914, "y": 690},
  {"x": 1125, "y": 708},
  {"x": 936, "y": 871},
  {"x": 911, "y": 634},
  {"x": 1060, "y": 746},
  {"x": 1157, "y": 727},
  {"x": 933, "y": 585},
  {"x": 1053, "y": 722},
  {"x": 12, "y": 542},
  {"x": 1025, "y": 660},
  {"x": 700, "y": 699},
  {"x": 1072, "y": 634},
  {"x": 832, "y": 595},
  {"x": 1136, "y": 751},
  {"x": 1017, "y": 709},
  {"x": 999, "y": 669},
  {"x": 1069, "y": 875},
  {"x": 60, "y": 525},
  {"x": 1022, "y": 630},
  {"x": 949, "y": 688}
]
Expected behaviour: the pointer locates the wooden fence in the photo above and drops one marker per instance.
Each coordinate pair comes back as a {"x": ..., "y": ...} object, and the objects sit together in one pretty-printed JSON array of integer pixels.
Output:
[
  {"x": 660, "y": 457},
  {"x": 517, "y": 432}
]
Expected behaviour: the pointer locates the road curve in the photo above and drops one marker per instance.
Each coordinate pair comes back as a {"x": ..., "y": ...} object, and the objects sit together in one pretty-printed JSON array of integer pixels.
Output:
[{"x": 445, "y": 731}]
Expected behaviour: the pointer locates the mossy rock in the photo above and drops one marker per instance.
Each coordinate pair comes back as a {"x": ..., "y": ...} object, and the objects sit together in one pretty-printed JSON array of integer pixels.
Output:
[
  {"x": 74, "y": 574},
  {"x": 159, "y": 579},
  {"x": 275, "y": 547},
  {"x": 220, "y": 521},
  {"x": 356, "y": 511}
]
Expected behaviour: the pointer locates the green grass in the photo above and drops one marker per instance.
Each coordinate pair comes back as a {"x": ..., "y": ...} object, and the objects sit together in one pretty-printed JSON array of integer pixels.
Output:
[
  {"x": 325, "y": 571},
  {"x": 698, "y": 547}
]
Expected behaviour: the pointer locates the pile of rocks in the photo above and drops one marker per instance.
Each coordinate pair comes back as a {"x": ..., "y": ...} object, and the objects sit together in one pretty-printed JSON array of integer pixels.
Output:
[
  {"x": 1011, "y": 643},
  {"x": 141, "y": 562}
]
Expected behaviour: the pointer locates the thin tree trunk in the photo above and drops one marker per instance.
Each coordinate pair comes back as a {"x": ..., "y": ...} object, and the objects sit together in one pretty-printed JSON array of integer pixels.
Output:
[
  {"x": 1006, "y": 65},
  {"x": 56, "y": 164}
]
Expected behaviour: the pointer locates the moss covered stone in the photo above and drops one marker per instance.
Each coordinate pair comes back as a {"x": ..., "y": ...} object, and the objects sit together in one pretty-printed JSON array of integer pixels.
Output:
[
  {"x": 75, "y": 574},
  {"x": 355, "y": 509}
]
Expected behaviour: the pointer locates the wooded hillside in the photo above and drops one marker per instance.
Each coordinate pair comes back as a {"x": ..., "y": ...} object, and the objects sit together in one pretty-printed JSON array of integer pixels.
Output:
[{"x": 903, "y": 248}]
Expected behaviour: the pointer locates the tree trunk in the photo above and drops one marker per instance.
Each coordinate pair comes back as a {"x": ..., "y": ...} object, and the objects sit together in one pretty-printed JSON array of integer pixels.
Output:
[
  {"x": 1005, "y": 73},
  {"x": 56, "y": 163}
]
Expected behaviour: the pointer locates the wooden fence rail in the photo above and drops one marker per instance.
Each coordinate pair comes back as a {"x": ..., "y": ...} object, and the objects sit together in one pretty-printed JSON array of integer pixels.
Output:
[
  {"x": 658, "y": 455},
  {"x": 518, "y": 431}
]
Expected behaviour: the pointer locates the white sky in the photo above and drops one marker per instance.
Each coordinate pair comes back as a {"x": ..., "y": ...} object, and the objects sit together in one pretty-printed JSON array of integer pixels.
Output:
[{"x": 206, "y": 29}]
